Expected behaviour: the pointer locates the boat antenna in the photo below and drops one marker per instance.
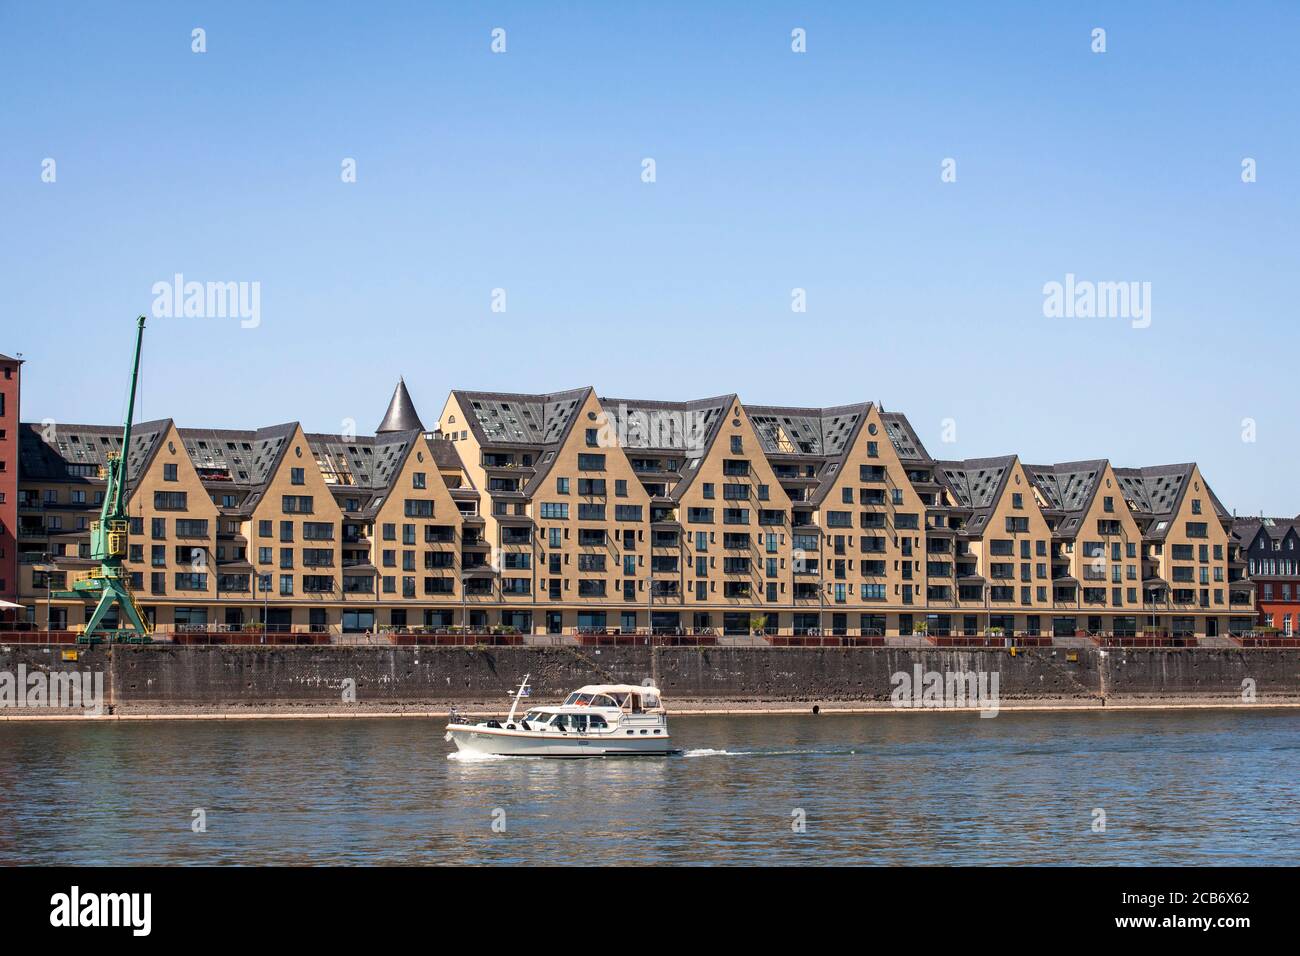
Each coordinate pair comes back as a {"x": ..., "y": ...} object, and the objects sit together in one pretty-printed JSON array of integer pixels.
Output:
[{"x": 518, "y": 694}]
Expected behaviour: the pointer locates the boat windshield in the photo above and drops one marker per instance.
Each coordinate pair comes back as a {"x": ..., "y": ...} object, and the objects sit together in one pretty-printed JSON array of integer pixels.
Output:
[
  {"x": 537, "y": 717},
  {"x": 590, "y": 700}
]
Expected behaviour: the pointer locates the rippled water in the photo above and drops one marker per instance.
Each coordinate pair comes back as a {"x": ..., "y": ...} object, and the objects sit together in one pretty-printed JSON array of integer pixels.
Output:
[{"x": 1188, "y": 787}]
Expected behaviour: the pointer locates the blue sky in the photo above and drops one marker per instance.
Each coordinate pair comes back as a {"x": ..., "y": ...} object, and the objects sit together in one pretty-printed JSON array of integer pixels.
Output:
[{"x": 775, "y": 171}]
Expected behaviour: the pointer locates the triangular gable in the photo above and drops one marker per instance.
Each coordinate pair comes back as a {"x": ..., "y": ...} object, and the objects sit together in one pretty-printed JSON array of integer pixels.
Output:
[
  {"x": 294, "y": 451},
  {"x": 167, "y": 448},
  {"x": 417, "y": 457},
  {"x": 736, "y": 422}
]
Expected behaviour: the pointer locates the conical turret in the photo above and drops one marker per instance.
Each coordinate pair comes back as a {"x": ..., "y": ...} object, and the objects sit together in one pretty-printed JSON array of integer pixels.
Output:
[{"x": 401, "y": 415}]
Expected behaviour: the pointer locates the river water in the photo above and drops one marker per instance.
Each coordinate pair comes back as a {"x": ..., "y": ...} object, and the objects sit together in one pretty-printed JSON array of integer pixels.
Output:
[{"x": 1189, "y": 787}]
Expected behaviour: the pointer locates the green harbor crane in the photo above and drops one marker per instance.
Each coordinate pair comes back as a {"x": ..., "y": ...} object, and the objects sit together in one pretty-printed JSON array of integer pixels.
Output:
[{"x": 110, "y": 583}]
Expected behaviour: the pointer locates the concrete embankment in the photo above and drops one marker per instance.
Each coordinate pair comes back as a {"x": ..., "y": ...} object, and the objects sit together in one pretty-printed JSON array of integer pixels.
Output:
[{"x": 249, "y": 681}]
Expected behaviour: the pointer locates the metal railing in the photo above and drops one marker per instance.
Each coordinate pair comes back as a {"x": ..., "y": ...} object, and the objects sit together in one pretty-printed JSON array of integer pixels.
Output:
[
  {"x": 450, "y": 638},
  {"x": 38, "y": 637},
  {"x": 824, "y": 640},
  {"x": 1265, "y": 639},
  {"x": 1161, "y": 639},
  {"x": 990, "y": 640}
]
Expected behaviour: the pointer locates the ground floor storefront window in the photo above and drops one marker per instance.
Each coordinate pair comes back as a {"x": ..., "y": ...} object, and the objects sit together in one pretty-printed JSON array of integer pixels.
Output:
[{"x": 358, "y": 621}]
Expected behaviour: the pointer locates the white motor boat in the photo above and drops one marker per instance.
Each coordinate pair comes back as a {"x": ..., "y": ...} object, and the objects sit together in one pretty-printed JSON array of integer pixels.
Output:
[{"x": 599, "y": 720}]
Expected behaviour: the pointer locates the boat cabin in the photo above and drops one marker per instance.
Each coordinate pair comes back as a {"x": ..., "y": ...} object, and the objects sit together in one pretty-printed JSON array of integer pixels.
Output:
[
  {"x": 629, "y": 698},
  {"x": 600, "y": 707}
]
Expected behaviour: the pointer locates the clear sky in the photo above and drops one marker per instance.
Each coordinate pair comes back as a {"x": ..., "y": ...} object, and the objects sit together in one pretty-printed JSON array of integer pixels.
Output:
[{"x": 774, "y": 170}]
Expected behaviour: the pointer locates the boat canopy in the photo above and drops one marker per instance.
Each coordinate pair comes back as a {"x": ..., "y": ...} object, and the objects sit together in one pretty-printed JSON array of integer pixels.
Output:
[
  {"x": 633, "y": 697},
  {"x": 617, "y": 689}
]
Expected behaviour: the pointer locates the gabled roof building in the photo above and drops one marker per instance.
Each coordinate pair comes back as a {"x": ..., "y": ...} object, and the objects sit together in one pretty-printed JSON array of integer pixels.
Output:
[{"x": 571, "y": 512}]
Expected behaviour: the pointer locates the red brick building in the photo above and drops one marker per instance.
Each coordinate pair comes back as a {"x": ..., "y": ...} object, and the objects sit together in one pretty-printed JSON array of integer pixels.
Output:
[
  {"x": 1271, "y": 550},
  {"x": 10, "y": 378}
]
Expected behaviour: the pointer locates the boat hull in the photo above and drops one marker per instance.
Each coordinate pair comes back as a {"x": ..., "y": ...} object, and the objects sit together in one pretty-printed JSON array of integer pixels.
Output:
[{"x": 506, "y": 743}]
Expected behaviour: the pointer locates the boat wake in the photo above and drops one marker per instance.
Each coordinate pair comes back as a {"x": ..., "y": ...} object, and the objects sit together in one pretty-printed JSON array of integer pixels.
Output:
[
  {"x": 708, "y": 752},
  {"x": 464, "y": 756}
]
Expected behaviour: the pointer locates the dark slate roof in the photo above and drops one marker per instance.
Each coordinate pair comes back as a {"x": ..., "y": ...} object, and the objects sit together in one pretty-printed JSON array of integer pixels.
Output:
[
  {"x": 46, "y": 450},
  {"x": 1068, "y": 488},
  {"x": 240, "y": 456},
  {"x": 823, "y": 432},
  {"x": 509, "y": 418},
  {"x": 362, "y": 462},
  {"x": 819, "y": 439},
  {"x": 10, "y": 358},
  {"x": 976, "y": 483},
  {"x": 537, "y": 423},
  {"x": 904, "y": 437},
  {"x": 401, "y": 415},
  {"x": 1157, "y": 492},
  {"x": 241, "y": 460},
  {"x": 688, "y": 429},
  {"x": 682, "y": 427},
  {"x": 445, "y": 454},
  {"x": 1247, "y": 529}
]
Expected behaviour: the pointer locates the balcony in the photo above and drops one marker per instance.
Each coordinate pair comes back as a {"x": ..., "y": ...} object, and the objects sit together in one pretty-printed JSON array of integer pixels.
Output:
[
  {"x": 500, "y": 460},
  {"x": 794, "y": 472}
]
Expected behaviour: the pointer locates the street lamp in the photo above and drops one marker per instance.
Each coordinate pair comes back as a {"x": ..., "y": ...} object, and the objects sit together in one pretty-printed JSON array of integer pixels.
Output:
[
  {"x": 48, "y": 570},
  {"x": 464, "y": 600},
  {"x": 264, "y": 585}
]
